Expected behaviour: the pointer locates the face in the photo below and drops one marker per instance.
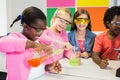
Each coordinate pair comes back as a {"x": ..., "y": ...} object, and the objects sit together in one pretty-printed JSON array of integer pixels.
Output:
[
  {"x": 60, "y": 22},
  {"x": 81, "y": 22},
  {"x": 35, "y": 29},
  {"x": 114, "y": 26}
]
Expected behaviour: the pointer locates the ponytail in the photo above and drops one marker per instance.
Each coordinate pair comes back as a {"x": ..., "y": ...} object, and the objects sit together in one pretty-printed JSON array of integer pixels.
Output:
[
  {"x": 17, "y": 19},
  {"x": 29, "y": 15}
]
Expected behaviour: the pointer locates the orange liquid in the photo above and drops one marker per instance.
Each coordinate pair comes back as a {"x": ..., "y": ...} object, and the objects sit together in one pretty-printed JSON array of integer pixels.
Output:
[{"x": 34, "y": 62}]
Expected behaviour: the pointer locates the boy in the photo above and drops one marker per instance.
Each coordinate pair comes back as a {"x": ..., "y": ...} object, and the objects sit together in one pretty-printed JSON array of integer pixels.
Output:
[{"x": 105, "y": 43}]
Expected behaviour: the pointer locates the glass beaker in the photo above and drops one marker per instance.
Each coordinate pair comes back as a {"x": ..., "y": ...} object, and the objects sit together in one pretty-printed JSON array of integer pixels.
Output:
[
  {"x": 57, "y": 47},
  {"x": 75, "y": 59},
  {"x": 37, "y": 59}
]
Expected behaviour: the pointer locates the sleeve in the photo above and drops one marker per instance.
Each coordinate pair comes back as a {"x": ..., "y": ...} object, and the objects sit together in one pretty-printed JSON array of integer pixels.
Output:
[
  {"x": 45, "y": 38},
  {"x": 68, "y": 53},
  {"x": 97, "y": 44},
  {"x": 12, "y": 44}
]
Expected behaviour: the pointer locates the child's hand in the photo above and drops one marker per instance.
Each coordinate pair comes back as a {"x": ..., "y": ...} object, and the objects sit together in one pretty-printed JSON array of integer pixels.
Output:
[
  {"x": 67, "y": 46},
  {"x": 55, "y": 67},
  {"x": 78, "y": 54},
  {"x": 84, "y": 55},
  {"x": 38, "y": 47},
  {"x": 103, "y": 64}
]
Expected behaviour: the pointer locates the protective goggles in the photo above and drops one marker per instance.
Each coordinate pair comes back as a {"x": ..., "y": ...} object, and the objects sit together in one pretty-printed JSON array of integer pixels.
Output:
[
  {"x": 81, "y": 21},
  {"x": 64, "y": 20},
  {"x": 115, "y": 23}
]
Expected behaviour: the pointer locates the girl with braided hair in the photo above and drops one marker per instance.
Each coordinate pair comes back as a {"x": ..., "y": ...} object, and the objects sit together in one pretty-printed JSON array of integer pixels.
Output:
[{"x": 19, "y": 46}]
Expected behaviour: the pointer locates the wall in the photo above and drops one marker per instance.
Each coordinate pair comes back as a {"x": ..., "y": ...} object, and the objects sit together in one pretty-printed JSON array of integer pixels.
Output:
[
  {"x": 3, "y": 18},
  {"x": 15, "y": 8}
]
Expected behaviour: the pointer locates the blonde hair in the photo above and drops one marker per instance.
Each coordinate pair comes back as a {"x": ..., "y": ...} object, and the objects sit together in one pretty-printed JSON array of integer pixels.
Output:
[{"x": 61, "y": 11}]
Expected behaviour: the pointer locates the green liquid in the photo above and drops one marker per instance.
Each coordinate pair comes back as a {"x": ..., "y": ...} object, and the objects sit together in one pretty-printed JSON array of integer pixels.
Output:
[
  {"x": 59, "y": 51},
  {"x": 74, "y": 61}
]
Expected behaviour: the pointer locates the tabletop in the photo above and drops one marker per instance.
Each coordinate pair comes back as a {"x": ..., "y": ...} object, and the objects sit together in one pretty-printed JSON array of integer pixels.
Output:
[{"x": 88, "y": 70}]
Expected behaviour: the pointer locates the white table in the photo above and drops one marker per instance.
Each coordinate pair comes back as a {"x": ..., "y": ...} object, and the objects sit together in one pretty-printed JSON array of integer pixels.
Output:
[{"x": 88, "y": 70}]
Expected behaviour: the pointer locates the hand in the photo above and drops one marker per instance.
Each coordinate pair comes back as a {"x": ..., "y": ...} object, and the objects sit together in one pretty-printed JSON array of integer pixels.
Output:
[
  {"x": 103, "y": 64},
  {"x": 67, "y": 46},
  {"x": 78, "y": 54},
  {"x": 38, "y": 47},
  {"x": 84, "y": 55},
  {"x": 55, "y": 67}
]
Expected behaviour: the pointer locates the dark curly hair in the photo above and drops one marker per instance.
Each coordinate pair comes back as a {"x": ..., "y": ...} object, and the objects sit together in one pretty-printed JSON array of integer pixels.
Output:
[{"x": 110, "y": 14}]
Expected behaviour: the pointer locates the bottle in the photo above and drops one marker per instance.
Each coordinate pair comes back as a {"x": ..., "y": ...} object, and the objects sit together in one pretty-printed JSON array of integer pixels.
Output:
[{"x": 118, "y": 72}]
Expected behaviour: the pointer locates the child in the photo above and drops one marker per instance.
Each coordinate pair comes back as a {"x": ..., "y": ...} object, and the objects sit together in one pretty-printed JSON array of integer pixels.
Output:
[
  {"x": 80, "y": 34},
  {"x": 20, "y": 46},
  {"x": 60, "y": 20},
  {"x": 105, "y": 43}
]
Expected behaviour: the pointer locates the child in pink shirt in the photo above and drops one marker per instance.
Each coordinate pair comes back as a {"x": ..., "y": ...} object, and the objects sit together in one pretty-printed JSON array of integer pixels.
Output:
[
  {"x": 60, "y": 20},
  {"x": 105, "y": 43},
  {"x": 19, "y": 47}
]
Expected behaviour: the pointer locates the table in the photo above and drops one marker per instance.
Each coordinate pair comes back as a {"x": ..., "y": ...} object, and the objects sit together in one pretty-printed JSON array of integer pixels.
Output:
[{"x": 88, "y": 70}]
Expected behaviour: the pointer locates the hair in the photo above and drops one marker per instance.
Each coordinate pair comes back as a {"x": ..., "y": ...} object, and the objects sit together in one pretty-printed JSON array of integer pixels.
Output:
[
  {"x": 110, "y": 14},
  {"x": 77, "y": 14},
  {"x": 29, "y": 15},
  {"x": 61, "y": 11}
]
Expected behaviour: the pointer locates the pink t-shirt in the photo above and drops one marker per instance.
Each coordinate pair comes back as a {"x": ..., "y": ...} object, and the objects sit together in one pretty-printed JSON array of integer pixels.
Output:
[
  {"x": 105, "y": 46},
  {"x": 48, "y": 37},
  {"x": 16, "y": 56}
]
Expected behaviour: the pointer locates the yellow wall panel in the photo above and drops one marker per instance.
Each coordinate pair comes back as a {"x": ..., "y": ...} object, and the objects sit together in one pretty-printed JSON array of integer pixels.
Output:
[{"x": 92, "y": 3}]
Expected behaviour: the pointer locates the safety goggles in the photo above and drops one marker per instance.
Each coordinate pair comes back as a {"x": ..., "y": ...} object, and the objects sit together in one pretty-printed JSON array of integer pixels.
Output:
[
  {"x": 115, "y": 23},
  {"x": 81, "y": 21},
  {"x": 64, "y": 20},
  {"x": 37, "y": 29}
]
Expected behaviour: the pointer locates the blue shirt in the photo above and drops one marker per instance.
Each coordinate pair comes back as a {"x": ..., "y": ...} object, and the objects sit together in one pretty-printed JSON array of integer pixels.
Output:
[{"x": 88, "y": 43}]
